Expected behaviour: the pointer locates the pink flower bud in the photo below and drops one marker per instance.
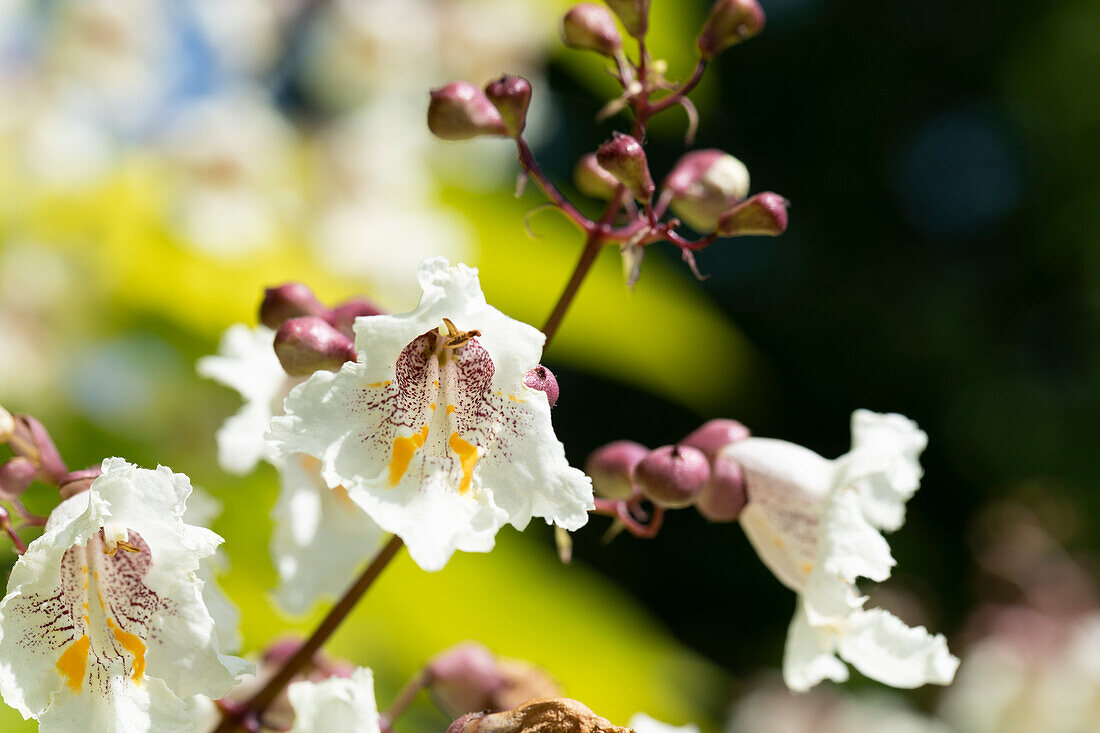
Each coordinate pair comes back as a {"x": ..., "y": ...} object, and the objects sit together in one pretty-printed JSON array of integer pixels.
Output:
[
  {"x": 729, "y": 22},
  {"x": 343, "y": 316},
  {"x": 764, "y": 214},
  {"x": 511, "y": 95},
  {"x": 623, "y": 157},
  {"x": 612, "y": 468},
  {"x": 672, "y": 476},
  {"x": 305, "y": 345},
  {"x": 465, "y": 679},
  {"x": 543, "y": 380},
  {"x": 77, "y": 482},
  {"x": 15, "y": 476},
  {"x": 723, "y": 497},
  {"x": 42, "y": 451},
  {"x": 713, "y": 435},
  {"x": 592, "y": 180},
  {"x": 460, "y": 111},
  {"x": 289, "y": 300},
  {"x": 703, "y": 185},
  {"x": 590, "y": 27},
  {"x": 633, "y": 13}
]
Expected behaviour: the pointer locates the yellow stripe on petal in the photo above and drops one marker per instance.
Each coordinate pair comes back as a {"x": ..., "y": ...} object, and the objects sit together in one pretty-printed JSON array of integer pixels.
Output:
[
  {"x": 132, "y": 644},
  {"x": 467, "y": 456},
  {"x": 72, "y": 663},
  {"x": 403, "y": 451}
]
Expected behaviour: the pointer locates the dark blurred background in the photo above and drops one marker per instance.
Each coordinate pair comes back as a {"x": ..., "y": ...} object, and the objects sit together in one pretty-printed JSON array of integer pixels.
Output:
[{"x": 941, "y": 159}]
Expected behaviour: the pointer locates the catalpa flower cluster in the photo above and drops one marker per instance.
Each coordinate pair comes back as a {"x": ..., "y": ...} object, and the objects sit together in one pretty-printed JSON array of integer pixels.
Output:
[{"x": 430, "y": 431}]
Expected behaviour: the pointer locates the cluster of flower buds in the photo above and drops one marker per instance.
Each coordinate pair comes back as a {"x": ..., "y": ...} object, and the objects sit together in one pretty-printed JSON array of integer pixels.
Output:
[
  {"x": 691, "y": 473},
  {"x": 460, "y": 111},
  {"x": 544, "y": 715},
  {"x": 309, "y": 336}
]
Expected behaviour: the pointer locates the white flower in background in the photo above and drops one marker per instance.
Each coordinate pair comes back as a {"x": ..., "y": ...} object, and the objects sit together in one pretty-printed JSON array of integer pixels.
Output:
[
  {"x": 772, "y": 708},
  {"x": 320, "y": 536},
  {"x": 344, "y": 704},
  {"x": 1034, "y": 672},
  {"x": 246, "y": 362},
  {"x": 815, "y": 523},
  {"x": 202, "y": 509},
  {"x": 642, "y": 723},
  {"x": 433, "y": 431},
  {"x": 235, "y": 185},
  {"x": 104, "y": 626}
]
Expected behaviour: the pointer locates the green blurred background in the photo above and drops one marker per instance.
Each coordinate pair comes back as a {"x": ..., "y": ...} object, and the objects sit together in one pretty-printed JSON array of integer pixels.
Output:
[{"x": 941, "y": 161}]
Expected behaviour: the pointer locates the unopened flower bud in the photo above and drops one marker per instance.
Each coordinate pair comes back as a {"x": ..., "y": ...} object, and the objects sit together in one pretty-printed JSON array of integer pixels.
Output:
[
  {"x": 723, "y": 497},
  {"x": 703, "y": 185},
  {"x": 612, "y": 467},
  {"x": 672, "y": 476},
  {"x": 729, "y": 22},
  {"x": 286, "y": 301},
  {"x": 343, "y": 316},
  {"x": 77, "y": 482},
  {"x": 31, "y": 440},
  {"x": 765, "y": 214},
  {"x": 633, "y": 13},
  {"x": 543, "y": 380},
  {"x": 511, "y": 95},
  {"x": 590, "y": 27},
  {"x": 713, "y": 435},
  {"x": 7, "y": 425},
  {"x": 592, "y": 180},
  {"x": 460, "y": 111},
  {"x": 464, "y": 679},
  {"x": 307, "y": 344},
  {"x": 623, "y": 157},
  {"x": 15, "y": 476}
]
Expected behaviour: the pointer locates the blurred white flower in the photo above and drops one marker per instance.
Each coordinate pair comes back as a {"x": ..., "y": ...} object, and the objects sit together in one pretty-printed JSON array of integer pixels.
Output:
[
  {"x": 320, "y": 537},
  {"x": 642, "y": 723},
  {"x": 234, "y": 180},
  {"x": 815, "y": 523},
  {"x": 104, "y": 625},
  {"x": 344, "y": 704},
  {"x": 1032, "y": 673},
  {"x": 771, "y": 708},
  {"x": 433, "y": 431}
]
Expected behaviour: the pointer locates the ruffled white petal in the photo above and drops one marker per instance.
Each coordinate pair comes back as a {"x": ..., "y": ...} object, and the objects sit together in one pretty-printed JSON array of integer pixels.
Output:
[
  {"x": 849, "y": 548},
  {"x": 202, "y": 509},
  {"x": 122, "y": 634},
  {"x": 809, "y": 657},
  {"x": 440, "y": 445},
  {"x": 881, "y": 646},
  {"x": 884, "y": 465},
  {"x": 642, "y": 723},
  {"x": 246, "y": 362},
  {"x": 321, "y": 537},
  {"x": 336, "y": 704},
  {"x": 787, "y": 487}
]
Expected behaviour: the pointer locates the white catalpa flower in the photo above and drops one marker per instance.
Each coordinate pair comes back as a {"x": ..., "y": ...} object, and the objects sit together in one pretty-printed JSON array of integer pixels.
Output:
[
  {"x": 320, "y": 536},
  {"x": 816, "y": 524},
  {"x": 642, "y": 723},
  {"x": 344, "y": 704},
  {"x": 433, "y": 431},
  {"x": 104, "y": 627}
]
